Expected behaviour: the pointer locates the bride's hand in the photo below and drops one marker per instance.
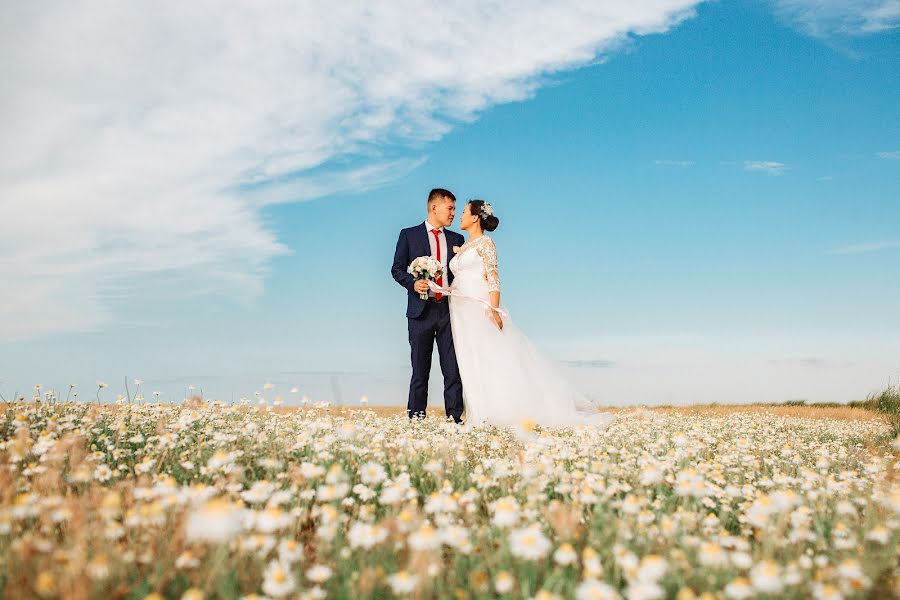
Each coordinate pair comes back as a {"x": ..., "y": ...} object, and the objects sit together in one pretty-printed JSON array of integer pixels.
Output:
[{"x": 498, "y": 320}]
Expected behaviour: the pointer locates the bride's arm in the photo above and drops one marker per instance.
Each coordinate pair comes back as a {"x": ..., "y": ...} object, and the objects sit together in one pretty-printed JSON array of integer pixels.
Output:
[{"x": 488, "y": 253}]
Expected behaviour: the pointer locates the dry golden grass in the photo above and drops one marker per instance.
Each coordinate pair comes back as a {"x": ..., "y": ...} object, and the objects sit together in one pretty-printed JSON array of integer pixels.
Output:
[{"x": 810, "y": 412}]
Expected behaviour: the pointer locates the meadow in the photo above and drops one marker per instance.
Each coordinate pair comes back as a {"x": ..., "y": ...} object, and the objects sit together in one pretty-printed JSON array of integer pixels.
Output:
[{"x": 205, "y": 500}]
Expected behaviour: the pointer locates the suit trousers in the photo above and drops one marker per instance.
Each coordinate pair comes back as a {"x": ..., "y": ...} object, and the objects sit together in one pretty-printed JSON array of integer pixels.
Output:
[{"x": 433, "y": 325}]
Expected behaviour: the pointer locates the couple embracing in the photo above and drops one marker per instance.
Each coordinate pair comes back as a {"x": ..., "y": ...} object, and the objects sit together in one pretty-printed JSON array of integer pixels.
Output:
[{"x": 491, "y": 371}]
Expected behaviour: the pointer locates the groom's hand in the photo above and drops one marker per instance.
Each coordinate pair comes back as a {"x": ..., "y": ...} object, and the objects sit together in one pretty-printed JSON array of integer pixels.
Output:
[{"x": 421, "y": 286}]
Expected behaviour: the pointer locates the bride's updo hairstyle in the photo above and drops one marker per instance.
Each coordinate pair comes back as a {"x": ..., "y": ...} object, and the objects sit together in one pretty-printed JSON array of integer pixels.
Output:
[{"x": 485, "y": 212}]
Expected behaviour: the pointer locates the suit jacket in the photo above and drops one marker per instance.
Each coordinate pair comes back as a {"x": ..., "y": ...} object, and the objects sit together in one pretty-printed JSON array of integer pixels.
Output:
[{"x": 413, "y": 243}]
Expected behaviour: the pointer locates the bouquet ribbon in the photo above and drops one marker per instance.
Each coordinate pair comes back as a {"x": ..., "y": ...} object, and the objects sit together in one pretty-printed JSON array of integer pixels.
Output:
[{"x": 449, "y": 292}]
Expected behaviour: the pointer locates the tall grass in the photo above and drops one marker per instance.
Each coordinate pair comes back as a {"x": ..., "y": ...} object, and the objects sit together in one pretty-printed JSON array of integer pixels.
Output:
[{"x": 887, "y": 403}]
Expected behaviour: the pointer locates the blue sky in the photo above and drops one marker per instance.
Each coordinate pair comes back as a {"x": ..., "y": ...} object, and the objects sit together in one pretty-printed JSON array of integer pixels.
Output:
[{"x": 710, "y": 212}]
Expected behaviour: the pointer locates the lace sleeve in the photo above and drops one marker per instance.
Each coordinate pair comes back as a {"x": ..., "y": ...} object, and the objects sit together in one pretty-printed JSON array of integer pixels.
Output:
[{"x": 488, "y": 252}]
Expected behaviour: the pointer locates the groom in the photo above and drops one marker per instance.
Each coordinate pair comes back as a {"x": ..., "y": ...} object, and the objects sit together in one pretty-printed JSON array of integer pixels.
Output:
[{"x": 429, "y": 320}]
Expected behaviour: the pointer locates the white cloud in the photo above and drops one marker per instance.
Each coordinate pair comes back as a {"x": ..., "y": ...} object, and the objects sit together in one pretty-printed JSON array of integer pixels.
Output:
[
  {"x": 143, "y": 138},
  {"x": 768, "y": 166},
  {"x": 826, "y": 18},
  {"x": 867, "y": 247},
  {"x": 674, "y": 163},
  {"x": 895, "y": 155}
]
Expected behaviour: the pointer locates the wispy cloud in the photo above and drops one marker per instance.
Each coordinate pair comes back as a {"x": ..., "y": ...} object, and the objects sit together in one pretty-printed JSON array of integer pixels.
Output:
[
  {"x": 894, "y": 155},
  {"x": 590, "y": 364},
  {"x": 674, "y": 163},
  {"x": 767, "y": 166},
  {"x": 868, "y": 247},
  {"x": 144, "y": 139},
  {"x": 827, "y": 18},
  {"x": 816, "y": 363}
]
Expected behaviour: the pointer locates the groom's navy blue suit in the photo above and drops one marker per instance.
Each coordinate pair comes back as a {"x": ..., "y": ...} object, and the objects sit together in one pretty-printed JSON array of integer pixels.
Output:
[{"x": 428, "y": 320}]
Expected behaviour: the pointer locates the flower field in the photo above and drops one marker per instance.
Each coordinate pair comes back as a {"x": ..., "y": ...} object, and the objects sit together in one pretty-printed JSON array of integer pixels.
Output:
[{"x": 211, "y": 501}]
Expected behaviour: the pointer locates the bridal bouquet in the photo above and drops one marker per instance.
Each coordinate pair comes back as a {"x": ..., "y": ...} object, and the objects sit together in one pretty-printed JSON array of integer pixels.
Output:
[{"x": 425, "y": 267}]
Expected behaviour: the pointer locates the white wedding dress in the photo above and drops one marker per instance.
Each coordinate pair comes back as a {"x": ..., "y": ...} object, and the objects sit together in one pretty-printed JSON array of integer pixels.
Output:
[{"x": 505, "y": 379}]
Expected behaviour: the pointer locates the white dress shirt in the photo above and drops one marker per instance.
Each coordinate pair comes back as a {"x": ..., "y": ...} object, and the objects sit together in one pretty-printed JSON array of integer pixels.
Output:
[{"x": 445, "y": 255}]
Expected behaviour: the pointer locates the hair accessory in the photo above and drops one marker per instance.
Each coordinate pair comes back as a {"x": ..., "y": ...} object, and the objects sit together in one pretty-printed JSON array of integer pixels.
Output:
[{"x": 487, "y": 210}]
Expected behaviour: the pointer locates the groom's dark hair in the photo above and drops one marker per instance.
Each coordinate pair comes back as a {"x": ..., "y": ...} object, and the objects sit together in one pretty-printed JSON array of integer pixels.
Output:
[{"x": 440, "y": 193}]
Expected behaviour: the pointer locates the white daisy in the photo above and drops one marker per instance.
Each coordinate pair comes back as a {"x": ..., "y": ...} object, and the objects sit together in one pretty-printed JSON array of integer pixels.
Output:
[
  {"x": 739, "y": 589},
  {"x": 278, "y": 580},
  {"x": 505, "y": 511},
  {"x": 712, "y": 555},
  {"x": 766, "y": 577},
  {"x": 425, "y": 538},
  {"x": 529, "y": 543},
  {"x": 504, "y": 582},
  {"x": 644, "y": 590},
  {"x": 216, "y": 521},
  {"x": 402, "y": 582},
  {"x": 365, "y": 535},
  {"x": 592, "y": 589},
  {"x": 565, "y": 554},
  {"x": 290, "y": 551},
  {"x": 651, "y": 568},
  {"x": 319, "y": 573},
  {"x": 372, "y": 473}
]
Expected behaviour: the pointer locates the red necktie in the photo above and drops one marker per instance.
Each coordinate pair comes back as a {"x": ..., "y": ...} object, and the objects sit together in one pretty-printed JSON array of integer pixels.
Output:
[{"x": 437, "y": 242}]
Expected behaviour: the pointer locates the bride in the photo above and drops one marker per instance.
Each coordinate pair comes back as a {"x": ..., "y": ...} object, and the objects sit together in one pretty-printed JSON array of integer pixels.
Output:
[{"x": 505, "y": 380}]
